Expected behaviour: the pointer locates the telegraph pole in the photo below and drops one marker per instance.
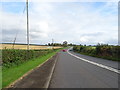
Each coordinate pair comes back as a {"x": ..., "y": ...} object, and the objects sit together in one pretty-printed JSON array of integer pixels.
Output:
[
  {"x": 27, "y": 25},
  {"x": 14, "y": 41},
  {"x": 52, "y": 43}
]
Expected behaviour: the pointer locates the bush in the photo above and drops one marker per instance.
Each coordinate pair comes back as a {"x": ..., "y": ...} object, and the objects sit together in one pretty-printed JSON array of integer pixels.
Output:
[
  {"x": 15, "y": 57},
  {"x": 100, "y": 50}
]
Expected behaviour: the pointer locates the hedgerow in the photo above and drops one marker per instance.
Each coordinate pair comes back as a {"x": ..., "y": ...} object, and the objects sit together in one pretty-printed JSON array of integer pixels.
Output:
[
  {"x": 101, "y": 50},
  {"x": 12, "y": 57}
]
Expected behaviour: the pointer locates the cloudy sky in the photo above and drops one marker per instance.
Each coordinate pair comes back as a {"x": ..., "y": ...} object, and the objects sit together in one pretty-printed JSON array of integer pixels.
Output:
[{"x": 75, "y": 22}]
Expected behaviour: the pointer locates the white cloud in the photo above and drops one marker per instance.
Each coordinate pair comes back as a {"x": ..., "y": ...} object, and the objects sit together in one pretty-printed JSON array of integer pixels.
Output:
[
  {"x": 61, "y": 0},
  {"x": 76, "y": 23}
]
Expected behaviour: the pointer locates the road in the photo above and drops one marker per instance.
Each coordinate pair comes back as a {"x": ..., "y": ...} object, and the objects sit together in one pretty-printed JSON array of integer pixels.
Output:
[{"x": 71, "y": 72}]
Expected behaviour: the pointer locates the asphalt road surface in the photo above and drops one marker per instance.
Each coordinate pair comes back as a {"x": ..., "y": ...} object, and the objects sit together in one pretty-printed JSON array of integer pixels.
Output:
[{"x": 71, "y": 72}]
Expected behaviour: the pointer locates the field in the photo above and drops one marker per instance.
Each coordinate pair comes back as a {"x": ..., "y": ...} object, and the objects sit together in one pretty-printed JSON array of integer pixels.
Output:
[{"x": 18, "y": 46}]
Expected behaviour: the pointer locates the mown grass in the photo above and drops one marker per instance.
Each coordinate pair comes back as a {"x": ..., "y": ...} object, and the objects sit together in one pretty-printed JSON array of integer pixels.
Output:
[{"x": 13, "y": 73}]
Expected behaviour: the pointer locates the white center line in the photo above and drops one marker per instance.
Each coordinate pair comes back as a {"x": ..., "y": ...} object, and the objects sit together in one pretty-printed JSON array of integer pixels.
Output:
[{"x": 94, "y": 63}]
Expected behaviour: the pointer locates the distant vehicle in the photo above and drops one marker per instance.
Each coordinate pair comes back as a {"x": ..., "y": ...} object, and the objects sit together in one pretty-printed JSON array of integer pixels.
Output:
[{"x": 64, "y": 50}]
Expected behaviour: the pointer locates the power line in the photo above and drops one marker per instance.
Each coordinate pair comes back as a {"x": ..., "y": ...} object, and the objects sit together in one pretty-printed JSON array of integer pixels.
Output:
[{"x": 14, "y": 41}]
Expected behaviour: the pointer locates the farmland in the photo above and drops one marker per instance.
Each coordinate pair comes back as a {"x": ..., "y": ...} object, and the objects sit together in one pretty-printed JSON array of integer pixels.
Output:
[{"x": 20, "y": 46}]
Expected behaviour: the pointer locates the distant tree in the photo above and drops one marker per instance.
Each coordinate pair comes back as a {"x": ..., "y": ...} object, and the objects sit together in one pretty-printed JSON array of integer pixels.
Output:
[
  {"x": 65, "y": 43},
  {"x": 80, "y": 44},
  {"x": 49, "y": 44},
  {"x": 70, "y": 44},
  {"x": 54, "y": 44}
]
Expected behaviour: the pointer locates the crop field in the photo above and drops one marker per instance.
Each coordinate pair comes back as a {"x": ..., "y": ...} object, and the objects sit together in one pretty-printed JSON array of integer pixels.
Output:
[{"x": 18, "y": 46}]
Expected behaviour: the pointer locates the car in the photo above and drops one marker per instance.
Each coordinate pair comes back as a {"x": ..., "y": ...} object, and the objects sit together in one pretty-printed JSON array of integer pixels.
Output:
[{"x": 64, "y": 50}]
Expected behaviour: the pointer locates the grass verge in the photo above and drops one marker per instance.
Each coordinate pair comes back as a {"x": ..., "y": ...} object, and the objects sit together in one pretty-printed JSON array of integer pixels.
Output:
[
  {"x": 0, "y": 77},
  {"x": 9, "y": 75}
]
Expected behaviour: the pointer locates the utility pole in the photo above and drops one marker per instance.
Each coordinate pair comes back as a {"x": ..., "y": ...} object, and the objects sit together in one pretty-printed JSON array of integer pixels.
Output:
[
  {"x": 52, "y": 43},
  {"x": 14, "y": 41},
  {"x": 27, "y": 25}
]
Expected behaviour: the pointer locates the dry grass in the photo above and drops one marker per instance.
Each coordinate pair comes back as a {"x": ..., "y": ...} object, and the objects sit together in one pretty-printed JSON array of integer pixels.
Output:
[{"x": 10, "y": 46}]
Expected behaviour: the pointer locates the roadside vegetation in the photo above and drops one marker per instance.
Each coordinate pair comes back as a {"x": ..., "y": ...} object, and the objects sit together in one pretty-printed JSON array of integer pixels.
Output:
[
  {"x": 11, "y": 57},
  {"x": 101, "y": 50},
  {"x": 17, "y": 62}
]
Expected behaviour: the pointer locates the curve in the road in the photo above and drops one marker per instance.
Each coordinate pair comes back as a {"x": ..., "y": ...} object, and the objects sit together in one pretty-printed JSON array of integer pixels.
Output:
[{"x": 94, "y": 63}]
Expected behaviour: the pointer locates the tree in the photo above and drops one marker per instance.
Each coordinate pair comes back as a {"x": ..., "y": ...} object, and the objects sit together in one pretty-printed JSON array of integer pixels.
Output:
[
  {"x": 65, "y": 43},
  {"x": 70, "y": 44},
  {"x": 49, "y": 44}
]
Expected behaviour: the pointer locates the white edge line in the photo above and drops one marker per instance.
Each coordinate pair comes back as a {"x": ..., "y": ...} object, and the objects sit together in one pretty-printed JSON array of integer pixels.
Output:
[
  {"x": 94, "y": 63},
  {"x": 51, "y": 74}
]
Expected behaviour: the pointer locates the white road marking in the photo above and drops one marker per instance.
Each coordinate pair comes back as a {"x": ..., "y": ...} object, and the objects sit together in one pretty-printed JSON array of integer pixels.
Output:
[{"x": 94, "y": 63}]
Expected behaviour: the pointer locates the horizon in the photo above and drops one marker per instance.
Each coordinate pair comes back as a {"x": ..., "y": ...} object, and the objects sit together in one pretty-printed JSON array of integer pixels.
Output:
[{"x": 61, "y": 44}]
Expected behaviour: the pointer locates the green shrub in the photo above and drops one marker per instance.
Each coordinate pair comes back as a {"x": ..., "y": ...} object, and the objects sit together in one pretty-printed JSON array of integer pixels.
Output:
[
  {"x": 100, "y": 50},
  {"x": 15, "y": 57}
]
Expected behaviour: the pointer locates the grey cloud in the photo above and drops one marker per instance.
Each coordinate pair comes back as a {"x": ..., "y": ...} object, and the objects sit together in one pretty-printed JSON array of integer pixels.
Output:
[{"x": 9, "y": 35}]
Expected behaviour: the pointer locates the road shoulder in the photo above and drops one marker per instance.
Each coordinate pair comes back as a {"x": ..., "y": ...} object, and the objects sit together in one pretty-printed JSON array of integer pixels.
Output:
[{"x": 39, "y": 77}]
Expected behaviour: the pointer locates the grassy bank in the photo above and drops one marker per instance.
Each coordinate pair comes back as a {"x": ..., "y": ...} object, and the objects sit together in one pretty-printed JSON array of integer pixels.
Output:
[
  {"x": 101, "y": 51},
  {"x": 16, "y": 71}
]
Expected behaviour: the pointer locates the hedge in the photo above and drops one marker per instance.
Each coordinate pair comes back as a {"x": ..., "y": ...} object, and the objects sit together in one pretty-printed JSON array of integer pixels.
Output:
[
  {"x": 101, "y": 50},
  {"x": 15, "y": 57}
]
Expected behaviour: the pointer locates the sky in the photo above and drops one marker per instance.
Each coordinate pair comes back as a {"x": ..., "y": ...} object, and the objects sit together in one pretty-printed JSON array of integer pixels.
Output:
[{"x": 76, "y": 22}]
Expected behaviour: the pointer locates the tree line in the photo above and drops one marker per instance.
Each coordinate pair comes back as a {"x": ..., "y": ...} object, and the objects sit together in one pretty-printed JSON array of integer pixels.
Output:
[{"x": 64, "y": 44}]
